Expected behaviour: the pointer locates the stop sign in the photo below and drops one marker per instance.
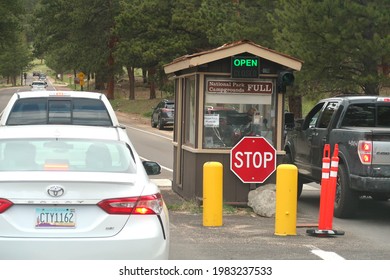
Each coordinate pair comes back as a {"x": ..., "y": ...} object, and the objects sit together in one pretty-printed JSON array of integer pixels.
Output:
[{"x": 253, "y": 159}]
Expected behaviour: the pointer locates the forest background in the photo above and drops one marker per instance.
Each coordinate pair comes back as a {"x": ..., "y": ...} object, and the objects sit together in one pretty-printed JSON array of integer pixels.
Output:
[{"x": 345, "y": 44}]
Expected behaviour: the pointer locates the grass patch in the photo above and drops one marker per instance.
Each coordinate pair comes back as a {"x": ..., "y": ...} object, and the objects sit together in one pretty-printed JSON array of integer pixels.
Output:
[
  {"x": 190, "y": 206},
  {"x": 142, "y": 105}
]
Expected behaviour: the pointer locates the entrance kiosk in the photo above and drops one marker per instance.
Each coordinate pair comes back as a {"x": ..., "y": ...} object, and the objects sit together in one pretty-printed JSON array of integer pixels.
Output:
[{"x": 222, "y": 95}]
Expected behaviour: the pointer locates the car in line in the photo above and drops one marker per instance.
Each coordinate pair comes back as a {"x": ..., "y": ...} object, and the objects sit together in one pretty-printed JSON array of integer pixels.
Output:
[
  {"x": 38, "y": 85},
  {"x": 42, "y": 77},
  {"x": 163, "y": 114},
  {"x": 78, "y": 192},
  {"x": 358, "y": 128},
  {"x": 59, "y": 107}
]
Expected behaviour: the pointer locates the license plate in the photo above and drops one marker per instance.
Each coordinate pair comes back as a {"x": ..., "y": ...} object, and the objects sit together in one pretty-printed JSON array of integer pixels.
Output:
[{"x": 55, "y": 218}]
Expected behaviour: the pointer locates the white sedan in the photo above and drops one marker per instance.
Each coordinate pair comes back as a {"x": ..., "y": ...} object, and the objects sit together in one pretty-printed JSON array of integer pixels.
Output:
[
  {"x": 38, "y": 85},
  {"x": 78, "y": 192}
]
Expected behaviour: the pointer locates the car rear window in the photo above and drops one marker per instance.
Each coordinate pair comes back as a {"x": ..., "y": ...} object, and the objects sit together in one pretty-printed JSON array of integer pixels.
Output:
[
  {"x": 65, "y": 155},
  {"x": 80, "y": 111},
  {"x": 170, "y": 106},
  {"x": 367, "y": 115}
]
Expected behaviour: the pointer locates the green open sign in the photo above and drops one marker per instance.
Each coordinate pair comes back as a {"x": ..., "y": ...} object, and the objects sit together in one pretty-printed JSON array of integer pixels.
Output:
[{"x": 245, "y": 67}]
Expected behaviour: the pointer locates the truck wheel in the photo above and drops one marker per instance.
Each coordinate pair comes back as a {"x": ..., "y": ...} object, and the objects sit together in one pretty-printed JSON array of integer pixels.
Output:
[
  {"x": 153, "y": 123},
  {"x": 346, "y": 200},
  {"x": 160, "y": 124},
  {"x": 288, "y": 160}
]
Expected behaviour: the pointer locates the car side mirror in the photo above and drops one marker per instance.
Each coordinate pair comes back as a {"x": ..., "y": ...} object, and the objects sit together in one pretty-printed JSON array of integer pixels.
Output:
[
  {"x": 289, "y": 122},
  {"x": 151, "y": 167}
]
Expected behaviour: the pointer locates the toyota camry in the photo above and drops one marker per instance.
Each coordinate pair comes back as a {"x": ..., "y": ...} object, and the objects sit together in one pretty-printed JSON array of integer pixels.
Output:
[{"x": 78, "y": 192}]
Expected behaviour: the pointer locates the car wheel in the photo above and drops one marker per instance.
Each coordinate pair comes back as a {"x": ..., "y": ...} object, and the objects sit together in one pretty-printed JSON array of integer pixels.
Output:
[
  {"x": 152, "y": 122},
  {"x": 288, "y": 160},
  {"x": 160, "y": 124},
  {"x": 346, "y": 200}
]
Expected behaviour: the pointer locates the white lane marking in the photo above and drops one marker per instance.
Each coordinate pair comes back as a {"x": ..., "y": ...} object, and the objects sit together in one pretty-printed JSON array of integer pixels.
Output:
[
  {"x": 151, "y": 133},
  {"x": 154, "y": 134},
  {"x": 325, "y": 255},
  {"x": 328, "y": 256}
]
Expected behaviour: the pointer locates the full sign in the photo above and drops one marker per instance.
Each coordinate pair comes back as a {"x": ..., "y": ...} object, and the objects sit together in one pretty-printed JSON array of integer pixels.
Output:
[
  {"x": 245, "y": 67},
  {"x": 253, "y": 159}
]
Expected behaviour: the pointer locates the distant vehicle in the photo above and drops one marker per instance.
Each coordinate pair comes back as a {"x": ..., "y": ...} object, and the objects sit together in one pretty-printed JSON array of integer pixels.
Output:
[
  {"x": 163, "y": 114},
  {"x": 42, "y": 77},
  {"x": 360, "y": 125},
  {"x": 78, "y": 192},
  {"x": 38, "y": 85},
  {"x": 59, "y": 107},
  {"x": 35, "y": 73}
]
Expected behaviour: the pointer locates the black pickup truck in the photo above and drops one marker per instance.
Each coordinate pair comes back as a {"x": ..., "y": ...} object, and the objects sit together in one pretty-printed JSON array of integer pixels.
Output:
[{"x": 360, "y": 125}]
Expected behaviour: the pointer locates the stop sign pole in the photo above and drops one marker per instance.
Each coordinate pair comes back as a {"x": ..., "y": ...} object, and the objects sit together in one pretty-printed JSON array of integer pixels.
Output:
[{"x": 253, "y": 159}]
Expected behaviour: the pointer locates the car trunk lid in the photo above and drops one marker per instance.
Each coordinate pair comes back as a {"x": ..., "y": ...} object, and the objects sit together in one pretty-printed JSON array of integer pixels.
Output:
[{"x": 59, "y": 204}]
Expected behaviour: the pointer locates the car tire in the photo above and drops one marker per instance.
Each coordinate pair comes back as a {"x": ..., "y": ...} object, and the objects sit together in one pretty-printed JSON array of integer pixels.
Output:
[
  {"x": 346, "y": 200},
  {"x": 160, "y": 124},
  {"x": 153, "y": 124},
  {"x": 288, "y": 160}
]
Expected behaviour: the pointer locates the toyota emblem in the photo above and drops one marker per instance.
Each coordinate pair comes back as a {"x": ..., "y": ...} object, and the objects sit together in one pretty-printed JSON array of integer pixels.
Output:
[{"x": 55, "y": 191}]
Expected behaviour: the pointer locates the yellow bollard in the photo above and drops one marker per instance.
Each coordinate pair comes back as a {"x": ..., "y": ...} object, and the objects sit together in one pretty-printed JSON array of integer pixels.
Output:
[
  {"x": 286, "y": 200},
  {"x": 212, "y": 194}
]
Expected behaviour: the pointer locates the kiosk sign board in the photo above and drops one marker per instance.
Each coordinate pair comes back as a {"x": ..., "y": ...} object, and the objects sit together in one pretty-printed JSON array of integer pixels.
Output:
[
  {"x": 238, "y": 87},
  {"x": 253, "y": 159},
  {"x": 245, "y": 67}
]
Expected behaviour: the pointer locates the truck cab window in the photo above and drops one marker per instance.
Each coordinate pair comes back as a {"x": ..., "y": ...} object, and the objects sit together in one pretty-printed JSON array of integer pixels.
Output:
[
  {"x": 312, "y": 117},
  {"x": 327, "y": 115}
]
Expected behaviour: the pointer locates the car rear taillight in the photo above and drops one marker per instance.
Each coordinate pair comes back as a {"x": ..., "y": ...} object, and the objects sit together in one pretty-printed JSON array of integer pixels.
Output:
[
  {"x": 4, "y": 204},
  {"x": 365, "y": 151},
  {"x": 383, "y": 99},
  {"x": 143, "y": 205}
]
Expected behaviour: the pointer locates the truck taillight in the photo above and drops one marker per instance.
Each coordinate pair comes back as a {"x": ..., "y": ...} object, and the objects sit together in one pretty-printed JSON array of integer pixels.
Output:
[
  {"x": 144, "y": 205},
  {"x": 4, "y": 204},
  {"x": 365, "y": 151}
]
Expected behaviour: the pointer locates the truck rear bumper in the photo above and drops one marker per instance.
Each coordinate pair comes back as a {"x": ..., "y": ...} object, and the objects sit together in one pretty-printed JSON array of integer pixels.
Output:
[{"x": 370, "y": 184}]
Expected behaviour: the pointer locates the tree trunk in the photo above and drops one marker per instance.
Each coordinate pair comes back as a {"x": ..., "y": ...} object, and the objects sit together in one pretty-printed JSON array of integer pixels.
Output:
[
  {"x": 295, "y": 105},
  {"x": 152, "y": 82},
  {"x": 144, "y": 76},
  {"x": 110, "y": 87},
  {"x": 130, "y": 73},
  {"x": 371, "y": 70},
  {"x": 99, "y": 82},
  {"x": 111, "y": 78}
]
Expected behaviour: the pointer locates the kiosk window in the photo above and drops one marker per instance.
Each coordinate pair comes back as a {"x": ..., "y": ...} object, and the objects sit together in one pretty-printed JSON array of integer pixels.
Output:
[
  {"x": 190, "y": 111},
  {"x": 230, "y": 114}
]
